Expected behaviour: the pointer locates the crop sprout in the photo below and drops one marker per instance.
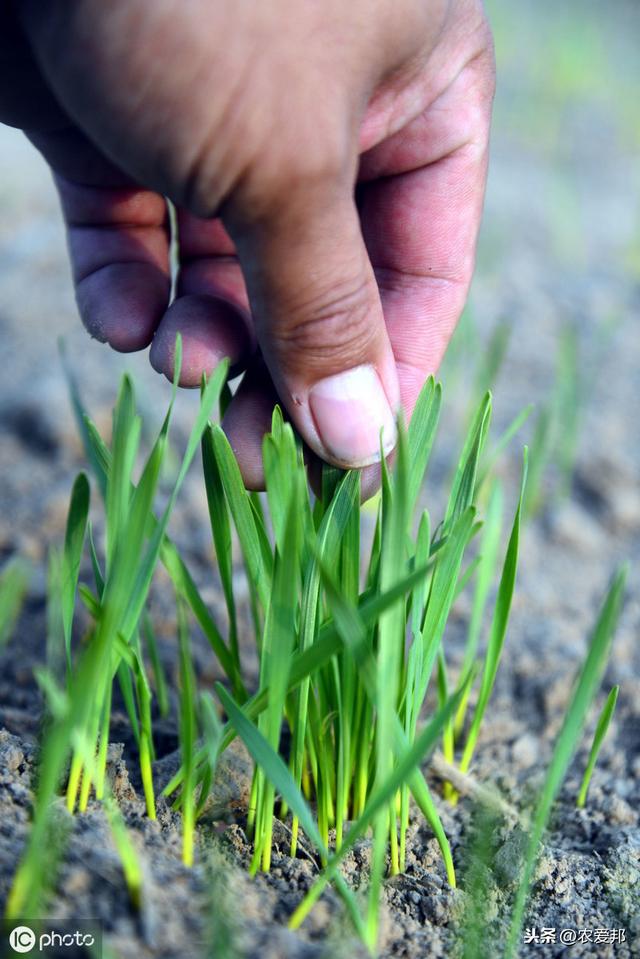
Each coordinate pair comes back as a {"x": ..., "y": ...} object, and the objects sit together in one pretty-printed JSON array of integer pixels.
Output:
[
  {"x": 585, "y": 689},
  {"x": 349, "y": 647},
  {"x": 14, "y": 580},
  {"x": 80, "y": 710},
  {"x": 477, "y": 939},
  {"x": 598, "y": 738}
]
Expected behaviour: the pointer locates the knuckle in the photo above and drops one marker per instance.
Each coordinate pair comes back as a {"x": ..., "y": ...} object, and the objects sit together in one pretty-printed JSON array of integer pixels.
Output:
[
  {"x": 332, "y": 327},
  {"x": 328, "y": 160},
  {"x": 292, "y": 173}
]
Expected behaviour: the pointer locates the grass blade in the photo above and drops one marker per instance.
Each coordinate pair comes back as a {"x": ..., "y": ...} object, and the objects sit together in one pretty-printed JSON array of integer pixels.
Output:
[
  {"x": 277, "y": 646},
  {"x": 601, "y": 731},
  {"x": 72, "y": 554},
  {"x": 499, "y": 624},
  {"x": 258, "y": 560},
  {"x": 221, "y": 532},
  {"x": 566, "y": 744},
  {"x": 403, "y": 771},
  {"x": 187, "y": 733},
  {"x": 128, "y": 578},
  {"x": 421, "y": 434},
  {"x": 187, "y": 589},
  {"x": 502, "y": 442},
  {"x": 464, "y": 480},
  {"x": 304, "y": 664},
  {"x": 126, "y": 851},
  {"x": 14, "y": 580},
  {"x": 486, "y": 569},
  {"x": 276, "y": 770}
]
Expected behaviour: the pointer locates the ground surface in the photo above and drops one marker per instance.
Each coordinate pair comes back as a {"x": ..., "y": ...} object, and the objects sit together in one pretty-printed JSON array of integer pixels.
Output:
[{"x": 560, "y": 246}]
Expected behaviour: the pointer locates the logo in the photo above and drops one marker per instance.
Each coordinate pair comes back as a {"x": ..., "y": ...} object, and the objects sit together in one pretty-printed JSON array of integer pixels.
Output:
[{"x": 22, "y": 939}]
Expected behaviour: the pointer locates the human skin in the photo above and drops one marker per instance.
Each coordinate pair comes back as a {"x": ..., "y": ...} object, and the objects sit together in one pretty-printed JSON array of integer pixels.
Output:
[{"x": 327, "y": 161}]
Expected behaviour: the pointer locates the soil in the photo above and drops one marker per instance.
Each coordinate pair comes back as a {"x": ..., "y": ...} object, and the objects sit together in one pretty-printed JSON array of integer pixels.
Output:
[{"x": 560, "y": 245}]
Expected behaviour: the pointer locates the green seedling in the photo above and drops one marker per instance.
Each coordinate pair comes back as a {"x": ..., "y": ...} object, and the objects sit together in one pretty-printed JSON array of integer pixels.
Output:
[
  {"x": 134, "y": 543},
  {"x": 14, "y": 580},
  {"x": 479, "y": 878},
  {"x": 566, "y": 744},
  {"x": 126, "y": 851},
  {"x": 347, "y": 644},
  {"x": 476, "y": 930},
  {"x": 485, "y": 573},
  {"x": 498, "y": 628},
  {"x": 346, "y": 660},
  {"x": 213, "y": 732},
  {"x": 502, "y": 442},
  {"x": 77, "y": 520},
  {"x": 187, "y": 733},
  {"x": 601, "y": 731}
]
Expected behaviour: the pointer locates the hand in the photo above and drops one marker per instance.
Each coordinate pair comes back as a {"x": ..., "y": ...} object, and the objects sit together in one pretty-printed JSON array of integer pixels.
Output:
[{"x": 327, "y": 161}]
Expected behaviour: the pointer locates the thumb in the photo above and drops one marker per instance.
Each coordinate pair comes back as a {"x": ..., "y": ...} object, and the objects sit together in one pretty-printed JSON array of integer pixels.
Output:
[{"x": 319, "y": 319}]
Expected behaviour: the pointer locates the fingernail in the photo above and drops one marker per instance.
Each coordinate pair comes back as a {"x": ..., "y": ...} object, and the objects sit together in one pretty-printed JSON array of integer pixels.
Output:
[{"x": 350, "y": 410}]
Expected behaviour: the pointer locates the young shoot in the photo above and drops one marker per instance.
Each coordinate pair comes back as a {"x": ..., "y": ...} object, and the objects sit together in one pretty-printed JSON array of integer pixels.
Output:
[
  {"x": 350, "y": 643},
  {"x": 601, "y": 731}
]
